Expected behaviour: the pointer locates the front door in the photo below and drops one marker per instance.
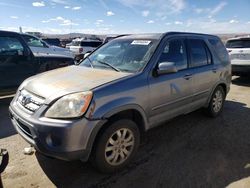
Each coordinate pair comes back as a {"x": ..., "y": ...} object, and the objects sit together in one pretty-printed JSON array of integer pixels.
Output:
[{"x": 171, "y": 94}]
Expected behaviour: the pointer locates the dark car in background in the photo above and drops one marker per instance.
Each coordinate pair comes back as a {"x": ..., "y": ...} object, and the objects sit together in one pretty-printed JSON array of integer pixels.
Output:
[{"x": 18, "y": 62}]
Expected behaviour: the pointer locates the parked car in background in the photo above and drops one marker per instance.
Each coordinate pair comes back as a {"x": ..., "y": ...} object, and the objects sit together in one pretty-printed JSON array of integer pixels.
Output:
[
  {"x": 115, "y": 95},
  {"x": 239, "y": 52},
  {"x": 64, "y": 42},
  {"x": 52, "y": 41},
  {"x": 81, "y": 46},
  {"x": 39, "y": 46},
  {"x": 18, "y": 62}
]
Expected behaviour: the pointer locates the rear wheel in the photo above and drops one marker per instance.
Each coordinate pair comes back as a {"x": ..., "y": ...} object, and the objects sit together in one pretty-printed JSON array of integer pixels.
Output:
[
  {"x": 116, "y": 146},
  {"x": 216, "y": 102}
]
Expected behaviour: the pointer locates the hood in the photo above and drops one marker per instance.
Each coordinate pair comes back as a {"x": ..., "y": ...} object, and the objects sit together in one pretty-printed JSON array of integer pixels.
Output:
[{"x": 56, "y": 83}]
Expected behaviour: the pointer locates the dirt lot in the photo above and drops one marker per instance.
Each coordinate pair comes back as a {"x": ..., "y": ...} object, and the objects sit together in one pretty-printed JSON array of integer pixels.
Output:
[{"x": 189, "y": 151}]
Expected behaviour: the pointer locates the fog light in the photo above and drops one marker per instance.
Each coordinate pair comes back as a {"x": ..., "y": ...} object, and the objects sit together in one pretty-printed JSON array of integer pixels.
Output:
[
  {"x": 49, "y": 140},
  {"x": 53, "y": 140}
]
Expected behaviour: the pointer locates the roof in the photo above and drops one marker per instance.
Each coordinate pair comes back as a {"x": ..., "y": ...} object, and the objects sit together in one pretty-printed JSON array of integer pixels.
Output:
[
  {"x": 158, "y": 36},
  {"x": 155, "y": 36},
  {"x": 8, "y": 32}
]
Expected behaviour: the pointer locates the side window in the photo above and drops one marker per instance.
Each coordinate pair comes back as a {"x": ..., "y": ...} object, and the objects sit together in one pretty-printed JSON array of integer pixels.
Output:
[
  {"x": 200, "y": 55},
  {"x": 220, "y": 49},
  {"x": 10, "y": 46},
  {"x": 175, "y": 51}
]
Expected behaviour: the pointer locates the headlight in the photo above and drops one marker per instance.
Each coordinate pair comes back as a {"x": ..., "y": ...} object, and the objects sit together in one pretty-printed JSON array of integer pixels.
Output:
[{"x": 70, "y": 106}]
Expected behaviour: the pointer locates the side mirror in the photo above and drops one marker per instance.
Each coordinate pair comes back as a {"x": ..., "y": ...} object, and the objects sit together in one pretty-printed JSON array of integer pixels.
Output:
[
  {"x": 166, "y": 68},
  {"x": 86, "y": 55}
]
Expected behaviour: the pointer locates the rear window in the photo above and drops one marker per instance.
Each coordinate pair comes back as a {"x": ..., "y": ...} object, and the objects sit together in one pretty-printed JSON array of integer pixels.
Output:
[
  {"x": 75, "y": 43},
  {"x": 91, "y": 44},
  {"x": 54, "y": 42},
  {"x": 238, "y": 43}
]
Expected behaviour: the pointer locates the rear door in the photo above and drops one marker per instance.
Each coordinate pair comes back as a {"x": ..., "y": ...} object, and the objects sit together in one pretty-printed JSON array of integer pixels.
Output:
[
  {"x": 206, "y": 73},
  {"x": 171, "y": 94},
  {"x": 16, "y": 63}
]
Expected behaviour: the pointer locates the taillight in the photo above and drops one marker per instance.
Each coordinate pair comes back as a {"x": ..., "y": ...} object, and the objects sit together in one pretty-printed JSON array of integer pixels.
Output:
[{"x": 80, "y": 50}]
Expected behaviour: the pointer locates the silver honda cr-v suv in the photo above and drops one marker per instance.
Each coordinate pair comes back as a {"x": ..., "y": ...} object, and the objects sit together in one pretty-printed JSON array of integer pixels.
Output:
[{"x": 99, "y": 108}]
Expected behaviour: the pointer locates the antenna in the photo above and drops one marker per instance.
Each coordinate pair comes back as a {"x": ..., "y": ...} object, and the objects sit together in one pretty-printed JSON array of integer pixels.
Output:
[{"x": 20, "y": 29}]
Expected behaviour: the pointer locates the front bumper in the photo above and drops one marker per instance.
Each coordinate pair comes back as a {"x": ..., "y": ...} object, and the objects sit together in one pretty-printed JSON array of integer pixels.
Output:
[{"x": 62, "y": 139}]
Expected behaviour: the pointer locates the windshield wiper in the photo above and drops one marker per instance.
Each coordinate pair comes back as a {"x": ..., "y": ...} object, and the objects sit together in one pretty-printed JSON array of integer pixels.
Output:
[{"x": 109, "y": 65}]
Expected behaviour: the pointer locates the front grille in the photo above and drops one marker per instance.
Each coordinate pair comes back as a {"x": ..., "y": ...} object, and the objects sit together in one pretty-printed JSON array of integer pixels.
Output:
[
  {"x": 29, "y": 101},
  {"x": 24, "y": 129}
]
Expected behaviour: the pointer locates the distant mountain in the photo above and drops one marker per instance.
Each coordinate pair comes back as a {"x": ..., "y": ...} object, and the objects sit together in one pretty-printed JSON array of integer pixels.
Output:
[
  {"x": 223, "y": 37},
  {"x": 73, "y": 35}
]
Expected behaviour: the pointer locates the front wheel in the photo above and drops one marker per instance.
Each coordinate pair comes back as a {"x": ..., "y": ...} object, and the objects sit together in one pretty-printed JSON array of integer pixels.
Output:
[
  {"x": 116, "y": 146},
  {"x": 216, "y": 102}
]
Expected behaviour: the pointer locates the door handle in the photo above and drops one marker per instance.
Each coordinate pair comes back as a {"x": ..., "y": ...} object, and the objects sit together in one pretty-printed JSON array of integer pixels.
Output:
[{"x": 187, "y": 76}]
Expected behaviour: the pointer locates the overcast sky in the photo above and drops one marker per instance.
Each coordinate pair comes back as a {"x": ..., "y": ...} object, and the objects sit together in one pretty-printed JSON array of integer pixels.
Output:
[{"x": 125, "y": 16}]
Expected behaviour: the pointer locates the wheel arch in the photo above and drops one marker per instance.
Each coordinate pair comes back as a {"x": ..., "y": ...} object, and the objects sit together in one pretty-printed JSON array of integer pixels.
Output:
[
  {"x": 132, "y": 111},
  {"x": 223, "y": 85}
]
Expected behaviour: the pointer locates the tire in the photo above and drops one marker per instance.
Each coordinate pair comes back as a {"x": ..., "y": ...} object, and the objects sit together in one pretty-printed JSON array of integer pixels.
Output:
[
  {"x": 117, "y": 155},
  {"x": 216, "y": 102}
]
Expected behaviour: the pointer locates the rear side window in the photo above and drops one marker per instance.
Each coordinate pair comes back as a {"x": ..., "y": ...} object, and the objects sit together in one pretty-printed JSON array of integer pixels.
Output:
[
  {"x": 199, "y": 53},
  {"x": 219, "y": 49},
  {"x": 175, "y": 51},
  {"x": 10, "y": 46}
]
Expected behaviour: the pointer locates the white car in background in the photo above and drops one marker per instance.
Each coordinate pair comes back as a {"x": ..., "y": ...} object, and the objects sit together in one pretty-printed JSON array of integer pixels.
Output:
[
  {"x": 81, "y": 46},
  {"x": 38, "y": 46},
  {"x": 239, "y": 52}
]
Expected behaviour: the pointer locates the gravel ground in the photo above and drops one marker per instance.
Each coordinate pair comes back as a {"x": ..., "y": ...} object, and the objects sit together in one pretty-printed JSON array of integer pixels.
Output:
[{"x": 189, "y": 151}]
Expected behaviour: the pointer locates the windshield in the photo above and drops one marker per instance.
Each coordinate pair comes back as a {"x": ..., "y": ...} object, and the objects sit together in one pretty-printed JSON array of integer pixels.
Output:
[
  {"x": 126, "y": 55},
  {"x": 238, "y": 44},
  {"x": 32, "y": 41}
]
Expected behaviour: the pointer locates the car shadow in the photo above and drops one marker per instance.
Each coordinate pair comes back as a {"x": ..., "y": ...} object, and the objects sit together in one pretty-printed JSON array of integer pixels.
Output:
[
  {"x": 6, "y": 127},
  {"x": 189, "y": 151},
  {"x": 241, "y": 81}
]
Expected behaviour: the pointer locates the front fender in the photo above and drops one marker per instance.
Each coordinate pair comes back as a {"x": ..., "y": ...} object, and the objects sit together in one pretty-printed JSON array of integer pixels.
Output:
[{"x": 113, "y": 107}]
